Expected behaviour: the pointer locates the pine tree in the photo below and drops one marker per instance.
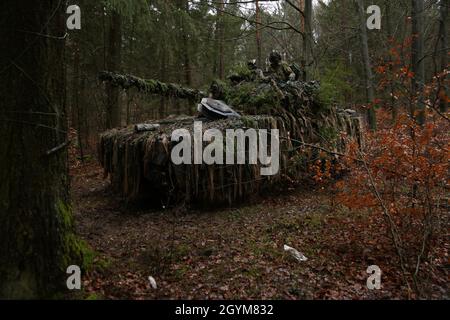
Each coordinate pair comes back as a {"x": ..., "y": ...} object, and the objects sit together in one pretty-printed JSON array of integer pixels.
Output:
[{"x": 36, "y": 232}]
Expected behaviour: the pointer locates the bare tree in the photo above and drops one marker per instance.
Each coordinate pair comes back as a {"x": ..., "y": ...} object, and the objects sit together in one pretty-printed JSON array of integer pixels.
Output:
[
  {"x": 443, "y": 50},
  {"x": 258, "y": 33},
  {"x": 113, "y": 112},
  {"x": 370, "y": 93},
  {"x": 220, "y": 37},
  {"x": 307, "y": 39},
  {"x": 417, "y": 57}
]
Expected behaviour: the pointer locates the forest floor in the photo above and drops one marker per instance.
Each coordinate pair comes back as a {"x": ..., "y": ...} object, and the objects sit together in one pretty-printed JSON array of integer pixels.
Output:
[{"x": 235, "y": 253}]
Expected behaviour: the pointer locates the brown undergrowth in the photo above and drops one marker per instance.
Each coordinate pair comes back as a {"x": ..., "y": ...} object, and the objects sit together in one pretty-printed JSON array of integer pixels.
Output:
[{"x": 237, "y": 253}]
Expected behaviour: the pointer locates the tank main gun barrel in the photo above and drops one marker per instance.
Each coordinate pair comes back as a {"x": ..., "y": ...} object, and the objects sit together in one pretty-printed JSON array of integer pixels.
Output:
[{"x": 151, "y": 87}]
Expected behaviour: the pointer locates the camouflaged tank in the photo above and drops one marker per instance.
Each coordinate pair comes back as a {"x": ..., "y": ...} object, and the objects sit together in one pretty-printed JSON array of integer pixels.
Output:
[{"x": 138, "y": 161}]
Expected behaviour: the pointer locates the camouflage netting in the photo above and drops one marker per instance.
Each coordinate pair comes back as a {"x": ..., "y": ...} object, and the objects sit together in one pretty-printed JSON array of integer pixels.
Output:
[
  {"x": 139, "y": 164},
  {"x": 155, "y": 87},
  {"x": 296, "y": 103}
]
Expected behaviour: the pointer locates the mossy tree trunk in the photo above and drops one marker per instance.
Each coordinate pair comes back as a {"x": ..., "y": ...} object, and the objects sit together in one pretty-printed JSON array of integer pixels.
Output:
[{"x": 37, "y": 243}]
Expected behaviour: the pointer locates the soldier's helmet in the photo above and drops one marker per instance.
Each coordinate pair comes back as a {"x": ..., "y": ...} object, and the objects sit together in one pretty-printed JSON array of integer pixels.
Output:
[
  {"x": 251, "y": 64},
  {"x": 216, "y": 90},
  {"x": 274, "y": 57}
]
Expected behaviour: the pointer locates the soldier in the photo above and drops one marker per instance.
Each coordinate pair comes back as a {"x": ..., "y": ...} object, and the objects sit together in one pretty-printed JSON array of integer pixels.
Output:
[
  {"x": 297, "y": 70},
  {"x": 256, "y": 73},
  {"x": 216, "y": 90},
  {"x": 244, "y": 75},
  {"x": 251, "y": 65},
  {"x": 279, "y": 70}
]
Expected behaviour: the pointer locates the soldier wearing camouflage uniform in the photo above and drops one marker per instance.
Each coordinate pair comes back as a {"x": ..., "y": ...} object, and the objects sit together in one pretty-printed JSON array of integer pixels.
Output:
[
  {"x": 256, "y": 73},
  {"x": 279, "y": 70}
]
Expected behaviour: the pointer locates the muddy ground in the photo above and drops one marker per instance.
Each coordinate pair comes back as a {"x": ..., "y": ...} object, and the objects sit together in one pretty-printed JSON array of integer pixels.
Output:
[{"x": 237, "y": 253}]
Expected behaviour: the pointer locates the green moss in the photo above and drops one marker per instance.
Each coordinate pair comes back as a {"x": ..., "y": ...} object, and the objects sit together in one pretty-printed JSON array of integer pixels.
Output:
[
  {"x": 93, "y": 296},
  {"x": 65, "y": 214},
  {"x": 27, "y": 283},
  {"x": 251, "y": 96},
  {"x": 74, "y": 251},
  {"x": 102, "y": 264}
]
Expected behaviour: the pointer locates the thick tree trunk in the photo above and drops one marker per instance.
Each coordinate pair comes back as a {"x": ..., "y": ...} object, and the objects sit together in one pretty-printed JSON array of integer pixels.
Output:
[
  {"x": 113, "y": 112},
  {"x": 370, "y": 93},
  {"x": 36, "y": 236},
  {"x": 417, "y": 56}
]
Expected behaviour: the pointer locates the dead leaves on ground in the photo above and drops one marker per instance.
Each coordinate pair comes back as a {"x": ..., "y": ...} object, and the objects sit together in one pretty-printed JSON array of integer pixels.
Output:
[{"x": 236, "y": 253}]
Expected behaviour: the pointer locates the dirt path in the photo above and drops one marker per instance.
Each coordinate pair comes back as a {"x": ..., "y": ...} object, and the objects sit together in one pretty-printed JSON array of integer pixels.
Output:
[{"x": 233, "y": 253}]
